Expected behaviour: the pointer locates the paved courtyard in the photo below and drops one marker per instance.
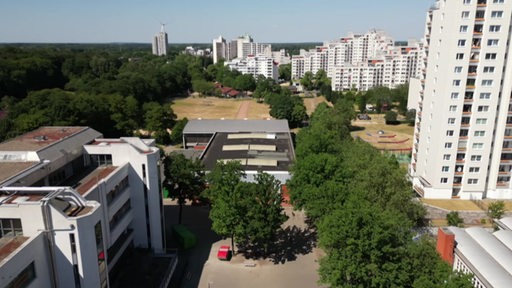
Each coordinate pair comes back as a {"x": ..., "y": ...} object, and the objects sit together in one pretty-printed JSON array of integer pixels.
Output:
[{"x": 293, "y": 264}]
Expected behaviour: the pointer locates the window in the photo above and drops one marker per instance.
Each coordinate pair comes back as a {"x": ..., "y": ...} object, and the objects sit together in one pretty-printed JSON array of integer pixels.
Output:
[
  {"x": 457, "y": 69},
  {"x": 10, "y": 227},
  {"x": 483, "y": 108},
  {"x": 488, "y": 69},
  {"x": 479, "y": 133},
  {"x": 465, "y": 15},
  {"x": 494, "y": 28},
  {"x": 478, "y": 146},
  {"x": 447, "y": 156},
  {"x": 451, "y": 120},
  {"x": 459, "y": 56},
  {"x": 474, "y": 169},
  {"x": 444, "y": 180},
  {"x": 466, "y": 2},
  {"x": 445, "y": 169},
  {"x": 461, "y": 43},
  {"x": 455, "y": 95},
  {"x": 490, "y": 56},
  {"x": 453, "y": 108},
  {"x": 498, "y": 1},
  {"x": 486, "y": 82},
  {"x": 481, "y": 120},
  {"x": 472, "y": 181},
  {"x": 476, "y": 157},
  {"x": 24, "y": 278},
  {"x": 456, "y": 83},
  {"x": 449, "y": 133},
  {"x": 463, "y": 28},
  {"x": 496, "y": 14},
  {"x": 448, "y": 145},
  {"x": 485, "y": 95},
  {"x": 492, "y": 42}
]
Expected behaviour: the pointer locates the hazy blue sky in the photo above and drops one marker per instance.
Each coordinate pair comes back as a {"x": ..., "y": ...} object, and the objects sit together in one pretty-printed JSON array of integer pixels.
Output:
[{"x": 200, "y": 21}]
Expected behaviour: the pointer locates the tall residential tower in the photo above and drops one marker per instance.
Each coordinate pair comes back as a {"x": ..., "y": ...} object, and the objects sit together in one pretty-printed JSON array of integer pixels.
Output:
[
  {"x": 160, "y": 42},
  {"x": 463, "y": 133}
]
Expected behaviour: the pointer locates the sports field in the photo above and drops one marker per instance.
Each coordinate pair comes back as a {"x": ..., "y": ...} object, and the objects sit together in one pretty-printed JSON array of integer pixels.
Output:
[{"x": 195, "y": 107}]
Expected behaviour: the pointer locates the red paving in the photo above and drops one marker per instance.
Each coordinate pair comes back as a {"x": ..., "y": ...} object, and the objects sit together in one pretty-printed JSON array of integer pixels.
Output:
[{"x": 243, "y": 111}]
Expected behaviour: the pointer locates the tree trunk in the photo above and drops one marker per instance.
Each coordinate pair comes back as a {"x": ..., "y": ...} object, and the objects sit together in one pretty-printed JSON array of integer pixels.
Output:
[
  {"x": 233, "y": 243},
  {"x": 180, "y": 212}
]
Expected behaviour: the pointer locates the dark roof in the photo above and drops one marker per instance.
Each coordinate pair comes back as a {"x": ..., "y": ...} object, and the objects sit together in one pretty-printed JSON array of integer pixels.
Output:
[{"x": 283, "y": 154}]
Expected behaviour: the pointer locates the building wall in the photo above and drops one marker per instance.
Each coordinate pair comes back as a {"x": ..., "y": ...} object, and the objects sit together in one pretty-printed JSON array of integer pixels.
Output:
[
  {"x": 33, "y": 250},
  {"x": 457, "y": 153}
]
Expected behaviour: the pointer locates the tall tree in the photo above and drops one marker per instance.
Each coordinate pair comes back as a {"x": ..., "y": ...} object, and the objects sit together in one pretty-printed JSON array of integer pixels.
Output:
[
  {"x": 184, "y": 178},
  {"x": 226, "y": 213}
]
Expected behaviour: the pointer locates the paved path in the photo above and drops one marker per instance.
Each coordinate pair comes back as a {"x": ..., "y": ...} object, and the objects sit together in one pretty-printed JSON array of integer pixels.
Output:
[{"x": 243, "y": 111}]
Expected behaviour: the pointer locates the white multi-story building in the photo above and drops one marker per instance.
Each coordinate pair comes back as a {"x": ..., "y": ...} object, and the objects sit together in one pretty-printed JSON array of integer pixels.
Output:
[
  {"x": 255, "y": 66},
  {"x": 160, "y": 42},
  {"x": 241, "y": 48},
  {"x": 463, "y": 133},
  {"x": 361, "y": 61},
  {"x": 71, "y": 203}
]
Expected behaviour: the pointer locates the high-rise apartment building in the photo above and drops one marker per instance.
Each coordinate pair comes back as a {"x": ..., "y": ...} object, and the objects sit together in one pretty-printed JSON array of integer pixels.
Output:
[
  {"x": 240, "y": 48},
  {"x": 160, "y": 42},
  {"x": 463, "y": 133},
  {"x": 361, "y": 61}
]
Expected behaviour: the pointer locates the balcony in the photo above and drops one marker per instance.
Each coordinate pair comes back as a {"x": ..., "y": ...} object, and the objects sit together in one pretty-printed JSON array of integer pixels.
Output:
[
  {"x": 481, "y": 3},
  {"x": 502, "y": 184}
]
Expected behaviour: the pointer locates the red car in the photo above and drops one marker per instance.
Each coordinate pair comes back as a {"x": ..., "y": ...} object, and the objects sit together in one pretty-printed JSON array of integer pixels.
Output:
[{"x": 224, "y": 253}]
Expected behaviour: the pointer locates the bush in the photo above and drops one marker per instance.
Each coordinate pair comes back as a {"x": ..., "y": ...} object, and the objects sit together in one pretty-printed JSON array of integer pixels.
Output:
[
  {"x": 391, "y": 117},
  {"x": 454, "y": 219}
]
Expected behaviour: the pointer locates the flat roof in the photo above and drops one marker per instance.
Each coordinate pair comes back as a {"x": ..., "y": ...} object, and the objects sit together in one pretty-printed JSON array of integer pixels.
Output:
[
  {"x": 236, "y": 126},
  {"x": 477, "y": 249},
  {"x": 89, "y": 181},
  {"x": 10, "y": 244},
  {"x": 40, "y": 138},
  {"x": 8, "y": 169},
  {"x": 267, "y": 154}
]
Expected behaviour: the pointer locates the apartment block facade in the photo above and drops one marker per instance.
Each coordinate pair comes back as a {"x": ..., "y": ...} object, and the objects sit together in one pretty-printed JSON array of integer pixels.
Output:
[
  {"x": 160, "y": 41},
  {"x": 361, "y": 61},
  {"x": 72, "y": 203},
  {"x": 463, "y": 133}
]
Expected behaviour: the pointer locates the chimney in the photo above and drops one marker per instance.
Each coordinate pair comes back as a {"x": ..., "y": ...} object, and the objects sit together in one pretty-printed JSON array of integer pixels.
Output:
[{"x": 445, "y": 244}]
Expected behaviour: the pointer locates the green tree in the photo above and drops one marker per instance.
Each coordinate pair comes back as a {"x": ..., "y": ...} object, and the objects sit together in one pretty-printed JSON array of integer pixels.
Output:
[
  {"x": 184, "y": 178},
  {"x": 496, "y": 210},
  {"x": 157, "y": 119},
  {"x": 226, "y": 212},
  {"x": 454, "y": 219},
  {"x": 307, "y": 81},
  {"x": 264, "y": 213},
  {"x": 202, "y": 86},
  {"x": 245, "y": 82},
  {"x": 391, "y": 117},
  {"x": 410, "y": 116},
  {"x": 177, "y": 131},
  {"x": 285, "y": 72}
]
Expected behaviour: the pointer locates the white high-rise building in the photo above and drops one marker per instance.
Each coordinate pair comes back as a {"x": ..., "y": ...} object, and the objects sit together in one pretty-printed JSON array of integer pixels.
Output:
[
  {"x": 361, "y": 61},
  {"x": 463, "y": 134},
  {"x": 220, "y": 50},
  {"x": 160, "y": 42}
]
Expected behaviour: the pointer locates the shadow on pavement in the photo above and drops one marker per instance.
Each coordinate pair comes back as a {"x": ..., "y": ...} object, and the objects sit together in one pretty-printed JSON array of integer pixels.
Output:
[
  {"x": 290, "y": 242},
  {"x": 191, "y": 261}
]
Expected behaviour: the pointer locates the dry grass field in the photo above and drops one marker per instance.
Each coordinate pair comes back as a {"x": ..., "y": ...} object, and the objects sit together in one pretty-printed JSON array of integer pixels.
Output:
[
  {"x": 459, "y": 205},
  {"x": 311, "y": 103},
  {"x": 195, "y": 107}
]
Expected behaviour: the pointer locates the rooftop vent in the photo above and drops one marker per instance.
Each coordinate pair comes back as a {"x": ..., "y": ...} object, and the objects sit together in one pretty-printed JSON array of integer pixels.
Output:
[{"x": 41, "y": 138}]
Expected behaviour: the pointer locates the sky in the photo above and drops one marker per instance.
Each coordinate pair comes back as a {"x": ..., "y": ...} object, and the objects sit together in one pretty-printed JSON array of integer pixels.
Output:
[{"x": 200, "y": 21}]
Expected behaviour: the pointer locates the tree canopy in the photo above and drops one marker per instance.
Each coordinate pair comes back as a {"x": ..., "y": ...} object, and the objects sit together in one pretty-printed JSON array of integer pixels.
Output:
[{"x": 363, "y": 208}]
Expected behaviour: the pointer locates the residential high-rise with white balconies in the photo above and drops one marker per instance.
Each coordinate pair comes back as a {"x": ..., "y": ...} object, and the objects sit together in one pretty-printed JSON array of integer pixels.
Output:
[{"x": 463, "y": 133}]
